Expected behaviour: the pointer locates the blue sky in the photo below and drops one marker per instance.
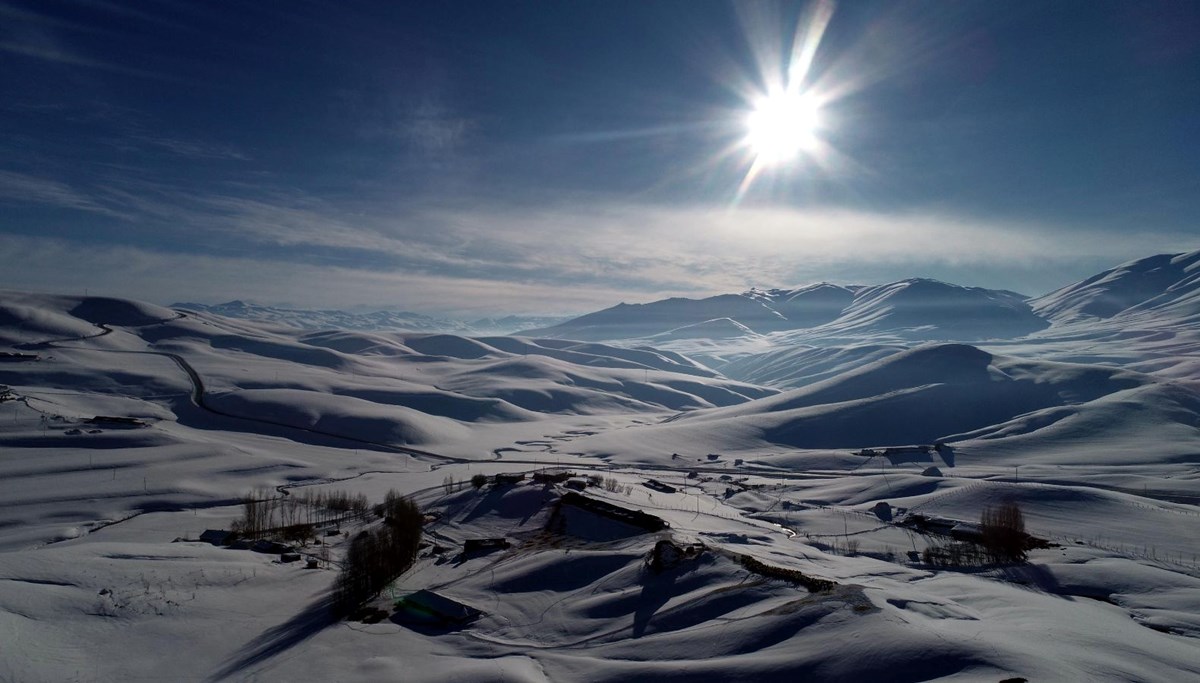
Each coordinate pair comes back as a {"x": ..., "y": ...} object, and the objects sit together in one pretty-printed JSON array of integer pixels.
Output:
[{"x": 493, "y": 157}]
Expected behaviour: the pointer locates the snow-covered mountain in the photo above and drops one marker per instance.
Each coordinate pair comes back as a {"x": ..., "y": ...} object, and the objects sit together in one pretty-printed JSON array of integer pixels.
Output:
[
  {"x": 929, "y": 309},
  {"x": 1159, "y": 288},
  {"x": 918, "y": 309},
  {"x": 1164, "y": 288},
  {"x": 370, "y": 321},
  {"x": 631, "y": 321}
]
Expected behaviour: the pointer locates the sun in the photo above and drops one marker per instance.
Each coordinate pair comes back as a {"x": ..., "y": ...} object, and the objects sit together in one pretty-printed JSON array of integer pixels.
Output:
[{"x": 782, "y": 125}]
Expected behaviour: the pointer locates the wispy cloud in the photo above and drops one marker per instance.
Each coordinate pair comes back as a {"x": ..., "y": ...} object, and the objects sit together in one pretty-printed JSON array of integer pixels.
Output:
[
  {"x": 706, "y": 249},
  {"x": 191, "y": 149},
  {"x": 40, "y": 37},
  {"x": 58, "y": 55},
  {"x": 483, "y": 257},
  {"x": 434, "y": 130},
  {"x": 21, "y": 188},
  {"x": 61, "y": 267}
]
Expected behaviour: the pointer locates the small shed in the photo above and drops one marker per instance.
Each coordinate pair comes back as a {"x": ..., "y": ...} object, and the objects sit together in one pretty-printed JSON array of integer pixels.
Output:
[
  {"x": 12, "y": 357},
  {"x": 116, "y": 421},
  {"x": 966, "y": 531},
  {"x": 509, "y": 478},
  {"x": 427, "y": 606},
  {"x": 552, "y": 475},
  {"x": 216, "y": 536},
  {"x": 271, "y": 547},
  {"x": 479, "y": 545},
  {"x": 658, "y": 486}
]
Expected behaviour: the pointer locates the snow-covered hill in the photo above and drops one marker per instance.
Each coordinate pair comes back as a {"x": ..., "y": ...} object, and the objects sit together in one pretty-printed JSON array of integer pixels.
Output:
[
  {"x": 929, "y": 309},
  {"x": 1163, "y": 288},
  {"x": 629, "y": 321},
  {"x": 719, "y": 328}
]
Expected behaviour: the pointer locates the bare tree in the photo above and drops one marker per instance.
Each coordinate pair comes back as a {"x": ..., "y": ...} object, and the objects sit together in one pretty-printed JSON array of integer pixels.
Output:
[
  {"x": 1003, "y": 531},
  {"x": 377, "y": 556}
]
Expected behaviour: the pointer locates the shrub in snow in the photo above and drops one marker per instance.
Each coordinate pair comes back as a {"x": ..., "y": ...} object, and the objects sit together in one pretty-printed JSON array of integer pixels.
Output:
[
  {"x": 1003, "y": 531},
  {"x": 814, "y": 585}
]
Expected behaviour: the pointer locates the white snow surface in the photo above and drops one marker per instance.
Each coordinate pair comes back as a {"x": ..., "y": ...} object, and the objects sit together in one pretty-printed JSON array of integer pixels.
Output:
[{"x": 1090, "y": 424}]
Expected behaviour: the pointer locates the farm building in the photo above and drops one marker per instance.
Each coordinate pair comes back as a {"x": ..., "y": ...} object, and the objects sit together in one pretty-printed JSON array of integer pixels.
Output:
[
  {"x": 427, "y": 606},
  {"x": 216, "y": 536},
  {"x": 479, "y": 545},
  {"x": 554, "y": 475},
  {"x": 637, "y": 518},
  {"x": 271, "y": 547},
  {"x": 10, "y": 357},
  {"x": 658, "y": 486},
  {"x": 111, "y": 421}
]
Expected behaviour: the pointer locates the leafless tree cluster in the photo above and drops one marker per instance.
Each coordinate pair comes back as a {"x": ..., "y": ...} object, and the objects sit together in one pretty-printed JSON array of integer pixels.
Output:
[
  {"x": 266, "y": 512},
  {"x": 954, "y": 554},
  {"x": 376, "y": 556},
  {"x": 1002, "y": 538}
]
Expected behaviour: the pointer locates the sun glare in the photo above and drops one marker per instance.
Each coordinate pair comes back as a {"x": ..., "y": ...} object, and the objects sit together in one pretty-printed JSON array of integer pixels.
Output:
[{"x": 782, "y": 125}]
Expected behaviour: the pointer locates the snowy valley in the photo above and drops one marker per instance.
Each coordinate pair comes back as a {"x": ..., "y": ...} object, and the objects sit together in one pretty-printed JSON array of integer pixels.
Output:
[{"x": 751, "y": 486}]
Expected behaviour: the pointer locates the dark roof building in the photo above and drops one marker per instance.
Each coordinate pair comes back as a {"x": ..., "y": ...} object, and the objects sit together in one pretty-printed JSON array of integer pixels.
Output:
[
  {"x": 425, "y": 605},
  {"x": 629, "y": 516},
  {"x": 113, "y": 421},
  {"x": 271, "y": 547},
  {"x": 658, "y": 486},
  {"x": 216, "y": 536},
  {"x": 10, "y": 357},
  {"x": 553, "y": 475},
  {"x": 473, "y": 545}
]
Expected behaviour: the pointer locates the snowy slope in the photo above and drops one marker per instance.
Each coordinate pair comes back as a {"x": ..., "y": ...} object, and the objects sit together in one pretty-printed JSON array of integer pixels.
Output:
[
  {"x": 1106, "y": 451},
  {"x": 794, "y": 366},
  {"x": 928, "y": 309},
  {"x": 272, "y": 399},
  {"x": 986, "y": 405},
  {"x": 718, "y": 328},
  {"x": 1165, "y": 285}
]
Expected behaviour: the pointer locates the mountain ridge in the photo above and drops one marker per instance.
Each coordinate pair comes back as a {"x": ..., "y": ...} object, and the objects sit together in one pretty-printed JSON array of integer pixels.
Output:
[
  {"x": 373, "y": 321},
  {"x": 1159, "y": 289},
  {"x": 924, "y": 307}
]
